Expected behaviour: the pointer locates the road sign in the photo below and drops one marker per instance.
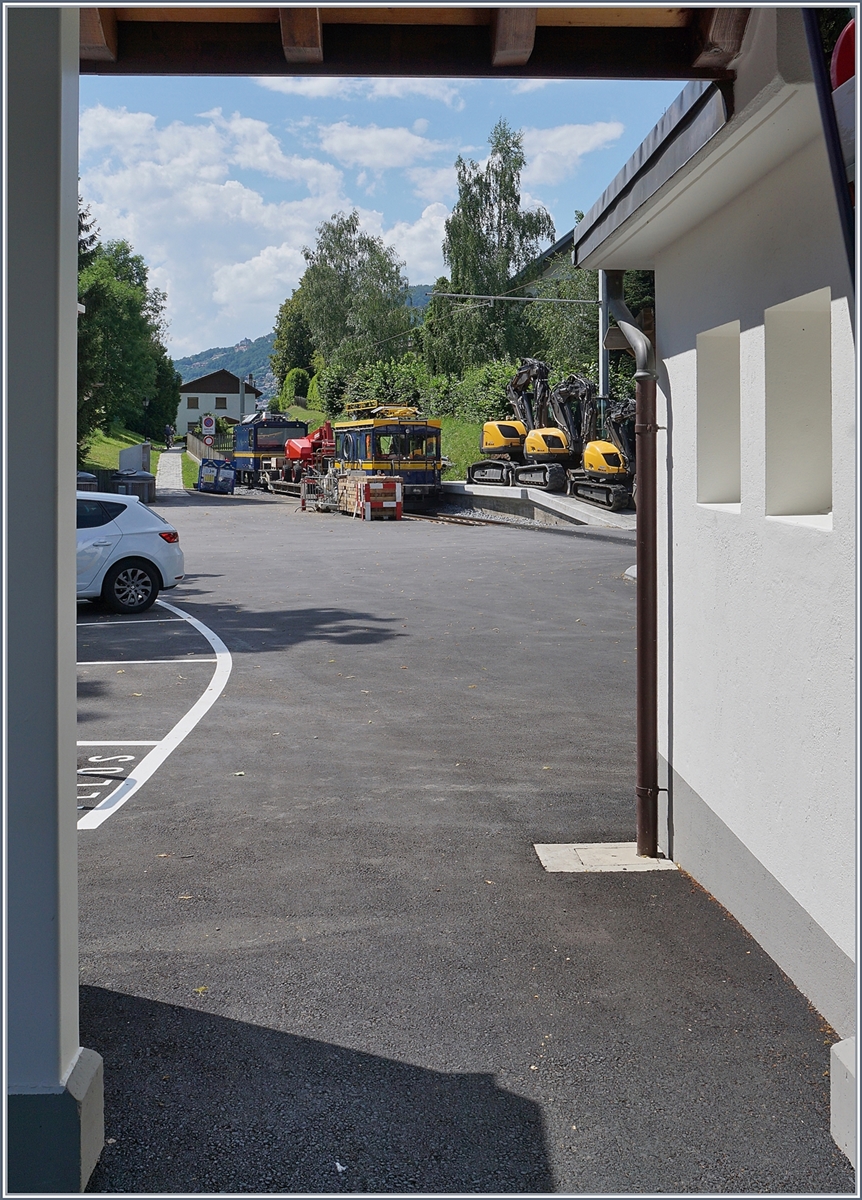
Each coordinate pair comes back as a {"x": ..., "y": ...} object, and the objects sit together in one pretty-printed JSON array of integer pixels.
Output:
[
  {"x": 209, "y": 440},
  {"x": 208, "y": 423}
]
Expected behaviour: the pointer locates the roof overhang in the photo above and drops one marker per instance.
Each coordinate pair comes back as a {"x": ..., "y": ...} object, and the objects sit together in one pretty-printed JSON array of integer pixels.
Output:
[
  {"x": 699, "y": 157},
  {"x": 629, "y": 42}
]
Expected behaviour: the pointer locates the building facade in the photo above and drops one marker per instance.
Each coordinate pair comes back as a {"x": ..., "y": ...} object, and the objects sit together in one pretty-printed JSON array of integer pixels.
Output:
[
  {"x": 735, "y": 211},
  {"x": 221, "y": 393}
]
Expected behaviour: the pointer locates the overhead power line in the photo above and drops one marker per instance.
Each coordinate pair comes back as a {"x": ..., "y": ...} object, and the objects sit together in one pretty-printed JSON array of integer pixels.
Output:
[{"x": 513, "y": 299}]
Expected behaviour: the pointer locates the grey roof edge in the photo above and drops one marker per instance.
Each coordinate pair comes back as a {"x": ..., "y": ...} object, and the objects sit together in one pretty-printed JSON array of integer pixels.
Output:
[
  {"x": 697, "y": 114},
  {"x": 192, "y": 385}
]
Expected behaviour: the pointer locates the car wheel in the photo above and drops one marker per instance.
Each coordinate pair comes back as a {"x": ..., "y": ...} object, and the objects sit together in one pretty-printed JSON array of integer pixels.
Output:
[{"x": 131, "y": 586}]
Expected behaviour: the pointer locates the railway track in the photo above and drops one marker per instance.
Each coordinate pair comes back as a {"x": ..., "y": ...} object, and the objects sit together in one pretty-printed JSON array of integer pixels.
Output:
[{"x": 447, "y": 519}]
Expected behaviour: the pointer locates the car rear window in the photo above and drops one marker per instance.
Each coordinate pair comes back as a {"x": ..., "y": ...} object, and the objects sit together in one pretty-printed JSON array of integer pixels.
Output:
[
  {"x": 93, "y": 513},
  {"x": 113, "y": 509}
]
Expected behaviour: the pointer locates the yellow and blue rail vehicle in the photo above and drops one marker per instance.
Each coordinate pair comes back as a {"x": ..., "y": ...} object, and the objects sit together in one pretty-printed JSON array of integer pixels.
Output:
[
  {"x": 391, "y": 440},
  {"x": 259, "y": 438}
]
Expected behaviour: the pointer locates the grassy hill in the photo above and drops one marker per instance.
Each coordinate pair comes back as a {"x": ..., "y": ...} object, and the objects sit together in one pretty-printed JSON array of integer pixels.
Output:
[{"x": 104, "y": 449}]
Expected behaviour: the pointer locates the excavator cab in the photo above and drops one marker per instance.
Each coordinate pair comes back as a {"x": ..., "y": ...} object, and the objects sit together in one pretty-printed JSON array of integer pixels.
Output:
[
  {"x": 602, "y": 459},
  {"x": 503, "y": 439},
  {"x": 548, "y": 445}
]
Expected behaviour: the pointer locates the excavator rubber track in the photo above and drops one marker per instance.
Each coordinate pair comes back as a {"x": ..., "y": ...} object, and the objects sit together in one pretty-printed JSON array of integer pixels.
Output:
[
  {"x": 491, "y": 471},
  {"x": 547, "y": 477},
  {"x": 613, "y": 496}
]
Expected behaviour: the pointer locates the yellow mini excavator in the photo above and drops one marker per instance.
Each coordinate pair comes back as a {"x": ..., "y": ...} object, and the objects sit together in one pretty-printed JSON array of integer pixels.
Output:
[{"x": 530, "y": 451}]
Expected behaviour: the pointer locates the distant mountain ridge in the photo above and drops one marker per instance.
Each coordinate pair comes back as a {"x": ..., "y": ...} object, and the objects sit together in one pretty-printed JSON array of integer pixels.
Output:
[
  {"x": 416, "y": 294},
  {"x": 246, "y": 356},
  {"x": 253, "y": 356}
]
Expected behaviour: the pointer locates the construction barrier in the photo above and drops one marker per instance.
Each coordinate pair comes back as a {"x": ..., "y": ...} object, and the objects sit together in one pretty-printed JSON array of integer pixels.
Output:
[
  {"x": 308, "y": 492},
  {"x": 378, "y": 497}
]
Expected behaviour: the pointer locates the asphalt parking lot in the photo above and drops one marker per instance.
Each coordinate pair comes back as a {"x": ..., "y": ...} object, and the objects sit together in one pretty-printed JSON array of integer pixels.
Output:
[{"x": 318, "y": 951}]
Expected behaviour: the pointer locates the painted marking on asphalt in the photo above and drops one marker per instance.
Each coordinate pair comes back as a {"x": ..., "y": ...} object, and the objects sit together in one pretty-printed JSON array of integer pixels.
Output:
[
  {"x": 151, "y": 762},
  {"x": 142, "y": 662},
  {"x": 125, "y": 743},
  {"x": 107, "y": 624}
]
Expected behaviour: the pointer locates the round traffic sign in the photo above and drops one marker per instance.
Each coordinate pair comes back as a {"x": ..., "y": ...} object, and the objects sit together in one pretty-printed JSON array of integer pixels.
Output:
[{"x": 208, "y": 441}]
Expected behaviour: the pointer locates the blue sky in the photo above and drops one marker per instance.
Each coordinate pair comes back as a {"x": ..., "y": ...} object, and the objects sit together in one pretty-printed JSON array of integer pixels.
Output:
[{"x": 220, "y": 182}]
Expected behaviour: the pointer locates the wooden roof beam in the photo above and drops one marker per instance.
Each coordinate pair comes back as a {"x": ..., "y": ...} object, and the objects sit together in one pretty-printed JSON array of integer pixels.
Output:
[
  {"x": 301, "y": 35},
  {"x": 98, "y": 38},
  {"x": 720, "y": 34},
  {"x": 513, "y": 35}
]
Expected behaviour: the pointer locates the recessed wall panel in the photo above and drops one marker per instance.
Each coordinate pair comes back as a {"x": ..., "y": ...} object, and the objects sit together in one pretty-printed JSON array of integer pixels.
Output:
[
  {"x": 797, "y": 338},
  {"x": 718, "y": 446}
]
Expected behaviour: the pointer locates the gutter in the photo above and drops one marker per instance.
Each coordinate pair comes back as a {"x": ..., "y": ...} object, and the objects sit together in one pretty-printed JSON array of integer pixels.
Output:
[
  {"x": 696, "y": 116},
  {"x": 832, "y": 138},
  {"x": 646, "y": 780}
]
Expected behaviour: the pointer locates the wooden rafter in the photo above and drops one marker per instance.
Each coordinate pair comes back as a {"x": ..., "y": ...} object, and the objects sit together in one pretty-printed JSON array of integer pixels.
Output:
[
  {"x": 721, "y": 31},
  {"x": 301, "y": 36},
  {"x": 635, "y": 15},
  {"x": 571, "y": 42},
  {"x": 99, "y": 34},
  {"x": 513, "y": 35}
]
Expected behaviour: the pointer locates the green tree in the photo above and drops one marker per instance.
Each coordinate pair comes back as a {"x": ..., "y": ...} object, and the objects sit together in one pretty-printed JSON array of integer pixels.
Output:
[
  {"x": 489, "y": 239},
  {"x": 293, "y": 345},
  {"x": 566, "y": 335},
  {"x": 295, "y": 387},
  {"x": 122, "y": 360},
  {"x": 353, "y": 295}
]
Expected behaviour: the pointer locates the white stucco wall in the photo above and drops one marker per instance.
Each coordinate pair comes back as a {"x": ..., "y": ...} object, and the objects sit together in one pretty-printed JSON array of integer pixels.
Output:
[
  {"x": 206, "y": 404},
  {"x": 758, "y": 645}
]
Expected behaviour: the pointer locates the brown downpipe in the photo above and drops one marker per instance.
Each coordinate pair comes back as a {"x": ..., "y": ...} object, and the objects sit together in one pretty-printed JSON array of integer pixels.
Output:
[{"x": 646, "y": 784}]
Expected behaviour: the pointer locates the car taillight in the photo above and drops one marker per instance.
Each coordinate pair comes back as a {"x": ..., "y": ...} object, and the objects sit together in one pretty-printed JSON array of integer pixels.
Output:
[{"x": 171, "y": 536}]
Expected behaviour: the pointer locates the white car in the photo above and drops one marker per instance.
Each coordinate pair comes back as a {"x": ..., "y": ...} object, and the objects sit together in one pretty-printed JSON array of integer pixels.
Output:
[{"x": 126, "y": 552}]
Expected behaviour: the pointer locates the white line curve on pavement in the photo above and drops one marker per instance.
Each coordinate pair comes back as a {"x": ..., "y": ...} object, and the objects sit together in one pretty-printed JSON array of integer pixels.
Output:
[{"x": 151, "y": 762}]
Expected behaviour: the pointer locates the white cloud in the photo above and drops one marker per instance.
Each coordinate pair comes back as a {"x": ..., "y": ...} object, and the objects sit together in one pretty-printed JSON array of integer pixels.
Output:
[
  {"x": 520, "y": 86},
  {"x": 447, "y": 91},
  {"x": 552, "y": 154},
  {"x": 225, "y": 254},
  {"x": 225, "y": 250},
  {"x": 420, "y": 125},
  {"x": 319, "y": 87},
  {"x": 374, "y": 147},
  {"x": 419, "y": 243},
  {"x": 255, "y": 147},
  {"x": 264, "y": 279},
  {"x": 434, "y": 183},
  {"x": 314, "y": 87}
]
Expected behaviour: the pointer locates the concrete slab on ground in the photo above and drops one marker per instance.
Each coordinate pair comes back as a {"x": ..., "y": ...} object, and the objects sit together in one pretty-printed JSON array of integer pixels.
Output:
[
  {"x": 598, "y": 856},
  {"x": 551, "y": 506}
]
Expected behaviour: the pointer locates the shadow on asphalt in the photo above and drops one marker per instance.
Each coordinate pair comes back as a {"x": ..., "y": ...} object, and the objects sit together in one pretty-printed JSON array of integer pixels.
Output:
[
  {"x": 201, "y": 1103},
  {"x": 244, "y": 629},
  {"x": 194, "y": 498},
  {"x": 89, "y": 689}
]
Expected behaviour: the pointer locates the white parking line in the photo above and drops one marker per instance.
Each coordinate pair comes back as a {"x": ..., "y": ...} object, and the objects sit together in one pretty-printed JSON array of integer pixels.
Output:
[
  {"x": 106, "y": 624},
  {"x": 142, "y": 662},
  {"x": 151, "y": 762},
  {"x": 118, "y": 743}
]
